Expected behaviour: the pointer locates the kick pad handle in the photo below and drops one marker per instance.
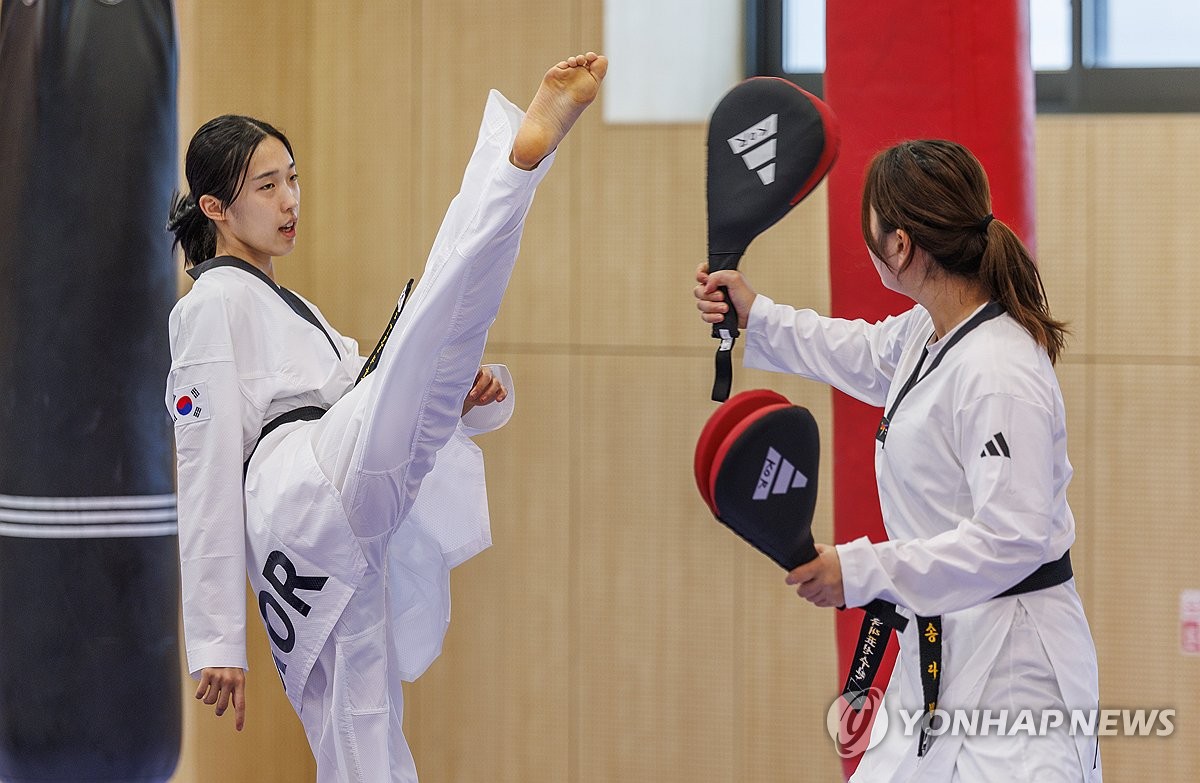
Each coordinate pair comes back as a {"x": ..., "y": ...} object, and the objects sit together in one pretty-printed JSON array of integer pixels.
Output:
[{"x": 726, "y": 331}]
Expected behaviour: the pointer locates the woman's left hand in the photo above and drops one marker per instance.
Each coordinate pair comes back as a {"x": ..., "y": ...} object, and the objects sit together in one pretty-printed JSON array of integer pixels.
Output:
[
  {"x": 820, "y": 579},
  {"x": 486, "y": 390}
]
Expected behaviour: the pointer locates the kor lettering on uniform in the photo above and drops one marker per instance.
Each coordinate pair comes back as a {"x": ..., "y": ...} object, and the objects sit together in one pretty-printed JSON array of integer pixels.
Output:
[{"x": 285, "y": 588}]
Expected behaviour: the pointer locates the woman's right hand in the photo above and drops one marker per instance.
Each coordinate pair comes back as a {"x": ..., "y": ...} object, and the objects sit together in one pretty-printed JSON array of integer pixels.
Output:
[
  {"x": 220, "y": 686},
  {"x": 711, "y": 302}
]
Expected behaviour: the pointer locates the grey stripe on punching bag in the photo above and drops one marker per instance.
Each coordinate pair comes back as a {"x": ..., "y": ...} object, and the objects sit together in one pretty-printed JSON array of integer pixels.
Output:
[
  {"x": 73, "y": 517},
  {"x": 89, "y": 575}
]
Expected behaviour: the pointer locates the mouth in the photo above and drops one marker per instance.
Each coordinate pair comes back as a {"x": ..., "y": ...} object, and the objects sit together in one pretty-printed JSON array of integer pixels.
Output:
[{"x": 288, "y": 229}]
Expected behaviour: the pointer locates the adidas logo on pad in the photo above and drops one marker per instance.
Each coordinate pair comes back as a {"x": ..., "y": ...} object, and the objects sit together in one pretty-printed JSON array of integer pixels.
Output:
[
  {"x": 756, "y": 145},
  {"x": 996, "y": 447},
  {"x": 777, "y": 476}
]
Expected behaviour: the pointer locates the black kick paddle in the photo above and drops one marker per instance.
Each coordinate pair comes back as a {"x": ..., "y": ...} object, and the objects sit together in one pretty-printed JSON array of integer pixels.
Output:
[
  {"x": 770, "y": 144},
  {"x": 756, "y": 467}
]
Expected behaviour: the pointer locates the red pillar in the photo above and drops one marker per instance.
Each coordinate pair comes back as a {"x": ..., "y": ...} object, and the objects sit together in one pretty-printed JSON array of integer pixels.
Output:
[{"x": 908, "y": 69}]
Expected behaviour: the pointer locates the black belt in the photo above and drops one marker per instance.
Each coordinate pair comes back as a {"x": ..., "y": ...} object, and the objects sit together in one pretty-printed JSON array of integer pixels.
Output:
[
  {"x": 307, "y": 413},
  {"x": 877, "y": 630}
]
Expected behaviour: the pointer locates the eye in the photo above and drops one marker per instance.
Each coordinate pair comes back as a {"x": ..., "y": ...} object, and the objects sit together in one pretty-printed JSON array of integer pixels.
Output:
[
  {"x": 295, "y": 178},
  {"x": 268, "y": 186}
]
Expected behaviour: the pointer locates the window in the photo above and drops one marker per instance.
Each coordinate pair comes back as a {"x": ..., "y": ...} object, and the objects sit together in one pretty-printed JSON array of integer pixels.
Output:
[
  {"x": 1088, "y": 55},
  {"x": 1050, "y": 34}
]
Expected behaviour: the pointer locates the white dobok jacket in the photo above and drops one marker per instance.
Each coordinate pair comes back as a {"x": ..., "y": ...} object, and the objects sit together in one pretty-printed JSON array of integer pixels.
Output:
[
  {"x": 243, "y": 356},
  {"x": 965, "y": 521}
]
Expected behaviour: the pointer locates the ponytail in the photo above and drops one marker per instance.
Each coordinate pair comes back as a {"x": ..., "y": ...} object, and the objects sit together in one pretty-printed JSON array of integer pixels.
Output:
[
  {"x": 193, "y": 231},
  {"x": 1011, "y": 278}
]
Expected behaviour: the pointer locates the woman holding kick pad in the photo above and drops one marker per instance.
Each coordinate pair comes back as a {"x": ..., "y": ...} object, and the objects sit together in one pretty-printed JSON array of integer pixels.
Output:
[{"x": 971, "y": 465}]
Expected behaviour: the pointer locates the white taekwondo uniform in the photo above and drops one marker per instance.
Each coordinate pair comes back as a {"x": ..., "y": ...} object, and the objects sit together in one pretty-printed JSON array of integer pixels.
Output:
[
  {"x": 348, "y": 561},
  {"x": 966, "y": 521}
]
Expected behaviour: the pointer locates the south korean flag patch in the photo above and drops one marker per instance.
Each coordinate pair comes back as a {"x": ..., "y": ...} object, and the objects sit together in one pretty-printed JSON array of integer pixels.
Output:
[{"x": 191, "y": 405}]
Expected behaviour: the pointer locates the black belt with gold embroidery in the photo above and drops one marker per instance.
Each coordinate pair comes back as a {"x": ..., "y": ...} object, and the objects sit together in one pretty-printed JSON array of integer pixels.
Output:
[{"x": 877, "y": 630}]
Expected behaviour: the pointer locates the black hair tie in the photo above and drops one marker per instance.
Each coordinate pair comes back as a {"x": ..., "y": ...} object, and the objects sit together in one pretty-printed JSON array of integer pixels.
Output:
[
  {"x": 184, "y": 207},
  {"x": 987, "y": 221}
]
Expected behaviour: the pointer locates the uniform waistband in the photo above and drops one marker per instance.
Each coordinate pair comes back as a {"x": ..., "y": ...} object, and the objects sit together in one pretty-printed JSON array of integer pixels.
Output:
[{"x": 306, "y": 413}]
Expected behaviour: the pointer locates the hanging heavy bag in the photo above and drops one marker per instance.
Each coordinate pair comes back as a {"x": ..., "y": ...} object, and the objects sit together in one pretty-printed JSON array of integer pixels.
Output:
[
  {"x": 89, "y": 570},
  {"x": 770, "y": 144}
]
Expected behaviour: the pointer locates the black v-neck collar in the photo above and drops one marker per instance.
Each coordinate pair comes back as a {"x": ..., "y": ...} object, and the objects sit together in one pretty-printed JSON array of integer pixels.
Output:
[
  {"x": 296, "y": 303},
  {"x": 986, "y": 313}
]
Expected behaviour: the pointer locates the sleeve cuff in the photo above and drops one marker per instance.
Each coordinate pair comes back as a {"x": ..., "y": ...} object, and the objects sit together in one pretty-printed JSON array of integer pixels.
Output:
[
  {"x": 217, "y": 656},
  {"x": 757, "y": 351},
  {"x": 503, "y": 116},
  {"x": 857, "y": 558},
  {"x": 758, "y": 312},
  {"x": 485, "y": 418}
]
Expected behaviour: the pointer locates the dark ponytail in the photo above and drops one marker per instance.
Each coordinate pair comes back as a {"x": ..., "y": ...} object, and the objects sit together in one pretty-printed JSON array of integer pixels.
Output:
[
  {"x": 1011, "y": 278},
  {"x": 215, "y": 165},
  {"x": 938, "y": 192},
  {"x": 193, "y": 232}
]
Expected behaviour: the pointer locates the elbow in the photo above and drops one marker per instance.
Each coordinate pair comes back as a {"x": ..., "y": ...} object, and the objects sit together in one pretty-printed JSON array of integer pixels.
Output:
[{"x": 1021, "y": 549}]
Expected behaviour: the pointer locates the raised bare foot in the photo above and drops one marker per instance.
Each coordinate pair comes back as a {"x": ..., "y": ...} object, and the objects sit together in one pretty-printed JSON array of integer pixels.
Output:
[{"x": 566, "y": 90}]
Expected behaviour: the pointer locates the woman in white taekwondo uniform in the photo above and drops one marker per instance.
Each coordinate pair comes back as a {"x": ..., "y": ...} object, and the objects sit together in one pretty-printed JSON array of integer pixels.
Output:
[
  {"x": 346, "y": 526},
  {"x": 972, "y": 471}
]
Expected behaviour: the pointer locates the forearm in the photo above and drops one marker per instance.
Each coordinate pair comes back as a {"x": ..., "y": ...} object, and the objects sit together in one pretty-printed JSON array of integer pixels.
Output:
[
  {"x": 843, "y": 354},
  {"x": 956, "y": 570}
]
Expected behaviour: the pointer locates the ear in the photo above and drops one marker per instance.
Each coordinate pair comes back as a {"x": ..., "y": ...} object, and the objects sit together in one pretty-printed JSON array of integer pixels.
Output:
[
  {"x": 905, "y": 249},
  {"x": 211, "y": 207}
]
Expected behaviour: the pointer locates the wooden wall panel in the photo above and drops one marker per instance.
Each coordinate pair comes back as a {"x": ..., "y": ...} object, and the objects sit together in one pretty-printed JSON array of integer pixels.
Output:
[
  {"x": 658, "y": 595},
  {"x": 469, "y": 48},
  {"x": 645, "y": 240},
  {"x": 359, "y": 172},
  {"x": 1145, "y": 170},
  {"x": 495, "y": 705},
  {"x": 1145, "y": 502},
  {"x": 1066, "y": 236}
]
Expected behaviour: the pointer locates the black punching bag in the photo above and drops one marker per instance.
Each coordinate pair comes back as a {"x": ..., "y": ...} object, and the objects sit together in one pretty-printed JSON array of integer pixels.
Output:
[{"x": 89, "y": 588}]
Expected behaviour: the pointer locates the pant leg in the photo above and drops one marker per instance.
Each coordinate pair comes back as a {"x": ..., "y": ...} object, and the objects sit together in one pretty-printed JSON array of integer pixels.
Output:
[
  {"x": 353, "y": 703},
  {"x": 378, "y": 442}
]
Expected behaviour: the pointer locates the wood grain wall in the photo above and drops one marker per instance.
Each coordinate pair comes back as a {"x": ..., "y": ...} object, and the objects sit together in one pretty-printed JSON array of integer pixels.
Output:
[{"x": 615, "y": 631}]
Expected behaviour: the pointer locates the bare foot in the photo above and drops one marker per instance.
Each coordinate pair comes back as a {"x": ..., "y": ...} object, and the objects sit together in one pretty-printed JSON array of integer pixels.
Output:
[{"x": 566, "y": 90}]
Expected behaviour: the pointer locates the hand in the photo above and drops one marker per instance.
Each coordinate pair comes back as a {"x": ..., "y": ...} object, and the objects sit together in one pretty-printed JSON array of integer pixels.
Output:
[
  {"x": 486, "y": 390},
  {"x": 219, "y": 686},
  {"x": 711, "y": 302},
  {"x": 820, "y": 580}
]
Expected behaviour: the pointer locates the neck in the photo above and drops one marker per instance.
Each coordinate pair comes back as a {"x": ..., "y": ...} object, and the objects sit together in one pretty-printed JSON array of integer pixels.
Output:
[
  {"x": 951, "y": 304},
  {"x": 265, "y": 263}
]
